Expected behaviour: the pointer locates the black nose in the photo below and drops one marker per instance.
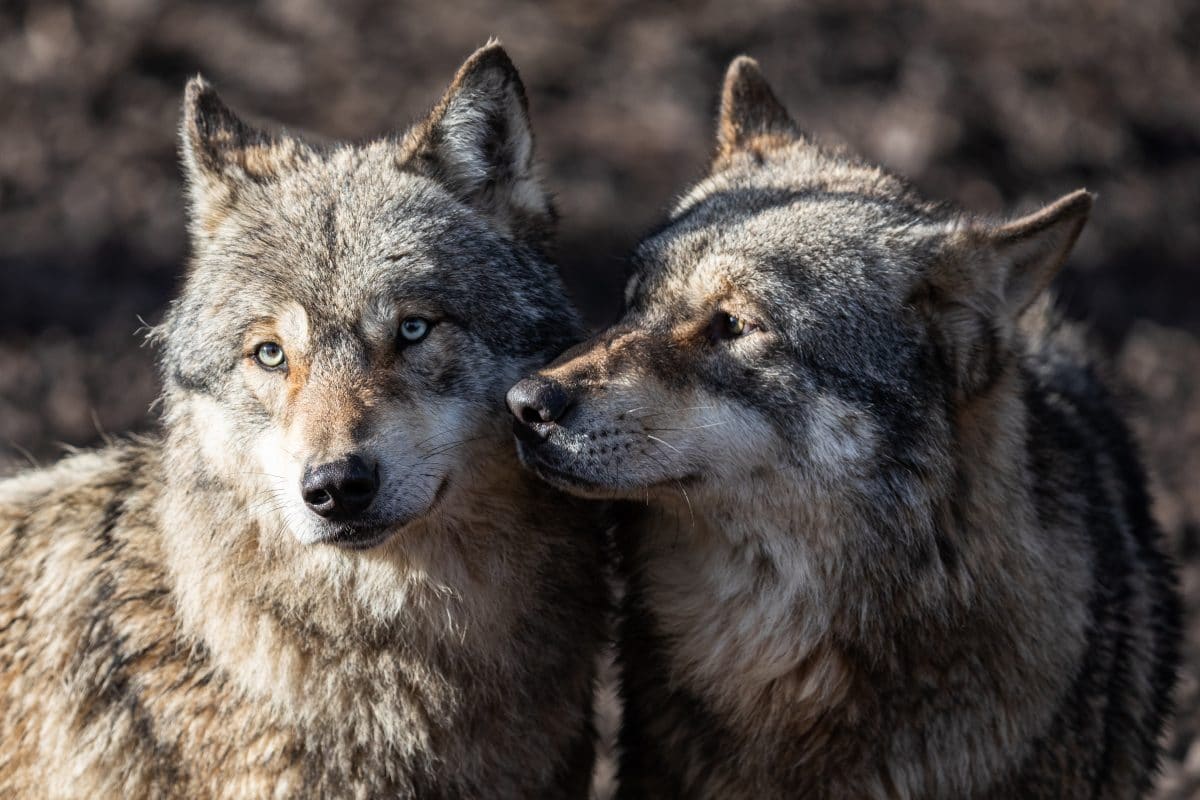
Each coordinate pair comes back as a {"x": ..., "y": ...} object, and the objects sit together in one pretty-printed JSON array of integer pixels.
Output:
[
  {"x": 537, "y": 403},
  {"x": 340, "y": 490}
]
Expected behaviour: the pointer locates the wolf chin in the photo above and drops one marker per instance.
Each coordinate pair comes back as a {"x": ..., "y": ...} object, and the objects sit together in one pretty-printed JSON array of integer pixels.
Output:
[
  {"x": 328, "y": 576},
  {"x": 894, "y": 539}
]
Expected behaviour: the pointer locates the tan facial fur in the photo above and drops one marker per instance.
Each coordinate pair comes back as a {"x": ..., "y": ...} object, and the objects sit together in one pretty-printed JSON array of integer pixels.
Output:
[
  {"x": 325, "y": 575},
  {"x": 326, "y": 406},
  {"x": 648, "y": 413}
]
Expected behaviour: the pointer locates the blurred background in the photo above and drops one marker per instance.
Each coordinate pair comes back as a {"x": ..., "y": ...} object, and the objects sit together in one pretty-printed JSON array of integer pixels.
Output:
[{"x": 997, "y": 106}]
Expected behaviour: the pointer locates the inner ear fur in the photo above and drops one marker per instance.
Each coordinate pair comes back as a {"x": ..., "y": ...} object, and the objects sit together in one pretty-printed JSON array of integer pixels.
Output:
[
  {"x": 1033, "y": 248},
  {"x": 985, "y": 276},
  {"x": 478, "y": 143},
  {"x": 220, "y": 152},
  {"x": 751, "y": 118}
]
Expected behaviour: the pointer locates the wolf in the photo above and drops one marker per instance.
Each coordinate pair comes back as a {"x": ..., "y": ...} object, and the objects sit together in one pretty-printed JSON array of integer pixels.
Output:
[
  {"x": 327, "y": 575},
  {"x": 887, "y": 535}
]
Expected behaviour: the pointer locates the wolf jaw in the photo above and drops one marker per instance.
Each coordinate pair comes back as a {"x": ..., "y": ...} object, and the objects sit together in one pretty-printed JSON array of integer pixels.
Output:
[
  {"x": 327, "y": 577},
  {"x": 862, "y": 567}
]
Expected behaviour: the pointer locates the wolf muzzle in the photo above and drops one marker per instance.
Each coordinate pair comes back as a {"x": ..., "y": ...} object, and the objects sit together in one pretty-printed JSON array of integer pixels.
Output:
[
  {"x": 537, "y": 404},
  {"x": 340, "y": 490}
]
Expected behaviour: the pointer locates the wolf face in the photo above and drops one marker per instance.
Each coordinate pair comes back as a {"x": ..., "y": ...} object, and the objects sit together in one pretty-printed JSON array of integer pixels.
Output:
[
  {"x": 802, "y": 316},
  {"x": 354, "y": 314}
]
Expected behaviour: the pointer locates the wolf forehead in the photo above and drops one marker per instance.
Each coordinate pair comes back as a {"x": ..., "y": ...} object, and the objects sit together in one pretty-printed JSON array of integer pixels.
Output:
[
  {"x": 351, "y": 226},
  {"x": 803, "y": 247}
]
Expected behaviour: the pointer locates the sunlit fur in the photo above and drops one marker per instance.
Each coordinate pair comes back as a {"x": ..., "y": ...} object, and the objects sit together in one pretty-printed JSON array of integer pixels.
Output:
[
  {"x": 892, "y": 541},
  {"x": 174, "y": 621}
]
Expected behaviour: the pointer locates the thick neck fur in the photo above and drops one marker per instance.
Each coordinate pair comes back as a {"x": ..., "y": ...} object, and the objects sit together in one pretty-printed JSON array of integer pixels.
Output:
[
  {"x": 788, "y": 610},
  {"x": 297, "y": 624}
]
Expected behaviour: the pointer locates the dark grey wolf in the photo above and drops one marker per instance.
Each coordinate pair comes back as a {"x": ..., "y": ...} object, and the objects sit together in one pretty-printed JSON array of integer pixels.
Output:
[
  {"x": 328, "y": 576},
  {"x": 896, "y": 540}
]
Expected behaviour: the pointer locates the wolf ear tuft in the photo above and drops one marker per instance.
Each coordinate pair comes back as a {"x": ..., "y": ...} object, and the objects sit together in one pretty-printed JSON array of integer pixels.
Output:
[
  {"x": 751, "y": 117},
  {"x": 220, "y": 151},
  {"x": 478, "y": 142}
]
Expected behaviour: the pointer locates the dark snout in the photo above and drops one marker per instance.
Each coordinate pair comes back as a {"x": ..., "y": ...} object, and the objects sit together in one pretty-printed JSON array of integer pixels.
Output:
[
  {"x": 340, "y": 490},
  {"x": 537, "y": 404}
]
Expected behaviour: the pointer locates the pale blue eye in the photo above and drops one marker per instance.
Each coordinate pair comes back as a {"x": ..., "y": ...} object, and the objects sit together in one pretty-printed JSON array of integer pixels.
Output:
[
  {"x": 269, "y": 354},
  {"x": 414, "y": 329}
]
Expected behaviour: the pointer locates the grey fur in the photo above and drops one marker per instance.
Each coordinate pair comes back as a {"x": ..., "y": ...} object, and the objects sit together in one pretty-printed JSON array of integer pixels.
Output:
[
  {"x": 175, "y": 622},
  {"x": 890, "y": 538}
]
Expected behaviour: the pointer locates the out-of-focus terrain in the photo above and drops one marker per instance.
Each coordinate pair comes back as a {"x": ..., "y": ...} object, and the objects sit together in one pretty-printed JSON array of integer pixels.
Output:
[{"x": 992, "y": 105}]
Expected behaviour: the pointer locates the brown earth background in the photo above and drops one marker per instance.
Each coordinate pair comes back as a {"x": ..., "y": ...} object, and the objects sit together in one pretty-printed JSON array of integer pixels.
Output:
[{"x": 994, "y": 105}]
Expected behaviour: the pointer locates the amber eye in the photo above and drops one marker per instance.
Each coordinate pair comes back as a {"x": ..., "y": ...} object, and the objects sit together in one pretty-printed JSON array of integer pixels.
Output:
[
  {"x": 270, "y": 355},
  {"x": 726, "y": 326}
]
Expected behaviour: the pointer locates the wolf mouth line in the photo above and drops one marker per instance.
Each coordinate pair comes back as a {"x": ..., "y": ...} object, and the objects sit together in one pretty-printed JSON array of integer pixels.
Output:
[
  {"x": 560, "y": 478},
  {"x": 367, "y": 534},
  {"x": 537, "y": 451}
]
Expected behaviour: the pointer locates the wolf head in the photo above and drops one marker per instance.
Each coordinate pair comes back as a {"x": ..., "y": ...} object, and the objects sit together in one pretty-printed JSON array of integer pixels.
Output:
[
  {"x": 353, "y": 314},
  {"x": 802, "y": 314}
]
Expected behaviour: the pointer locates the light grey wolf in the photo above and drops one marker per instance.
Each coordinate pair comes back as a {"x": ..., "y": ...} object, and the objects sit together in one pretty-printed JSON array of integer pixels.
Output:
[
  {"x": 328, "y": 575},
  {"x": 896, "y": 540}
]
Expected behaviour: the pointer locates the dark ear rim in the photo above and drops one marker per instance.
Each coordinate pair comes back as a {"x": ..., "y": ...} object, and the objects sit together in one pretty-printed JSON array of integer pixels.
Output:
[
  {"x": 492, "y": 56},
  {"x": 478, "y": 142},
  {"x": 215, "y": 141},
  {"x": 1075, "y": 205},
  {"x": 751, "y": 116},
  {"x": 1036, "y": 253}
]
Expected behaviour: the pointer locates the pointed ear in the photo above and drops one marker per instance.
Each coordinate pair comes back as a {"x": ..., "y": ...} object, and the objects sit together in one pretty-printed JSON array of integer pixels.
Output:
[
  {"x": 751, "y": 118},
  {"x": 1033, "y": 248},
  {"x": 985, "y": 276},
  {"x": 220, "y": 152},
  {"x": 478, "y": 142}
]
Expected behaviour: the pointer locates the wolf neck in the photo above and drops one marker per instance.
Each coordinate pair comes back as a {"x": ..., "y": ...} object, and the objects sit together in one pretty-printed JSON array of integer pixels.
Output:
[
  {"x": 285, "y": 620},
  {"x": 753, "y": 590}
]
